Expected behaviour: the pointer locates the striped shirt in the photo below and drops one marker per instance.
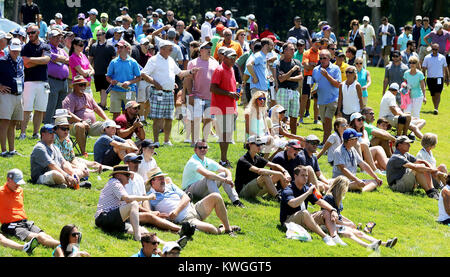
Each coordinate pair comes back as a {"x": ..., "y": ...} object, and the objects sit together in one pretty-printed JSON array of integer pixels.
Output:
[{"x": 110, "y": 196}]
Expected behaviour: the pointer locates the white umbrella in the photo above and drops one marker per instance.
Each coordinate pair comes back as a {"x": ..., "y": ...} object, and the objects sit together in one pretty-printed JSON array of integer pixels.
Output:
[{"x": 7, "y": 25}]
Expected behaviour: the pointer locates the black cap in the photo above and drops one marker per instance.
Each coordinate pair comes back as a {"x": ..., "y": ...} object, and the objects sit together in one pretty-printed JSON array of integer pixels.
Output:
[
  {"x": 315, "y": 40},
  {"x": 297, "y": 18},
  {"x": 149, "y": 8},
  {"x": 339, "y": 53},
  {"x": 148, "y": 143}
]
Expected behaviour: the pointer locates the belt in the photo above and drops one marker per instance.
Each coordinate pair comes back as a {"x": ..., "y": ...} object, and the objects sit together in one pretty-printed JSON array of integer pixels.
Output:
[
  {"x": 57, "y": 78},
  {"x": 170, "y": 91}
]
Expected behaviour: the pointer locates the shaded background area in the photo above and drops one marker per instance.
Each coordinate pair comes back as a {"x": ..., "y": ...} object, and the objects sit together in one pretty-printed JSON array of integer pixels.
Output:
[{"x": 277, "y": 14}]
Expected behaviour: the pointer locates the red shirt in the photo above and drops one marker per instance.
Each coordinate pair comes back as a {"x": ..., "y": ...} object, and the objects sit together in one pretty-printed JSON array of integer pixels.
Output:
[
  {"x": 11, "y": 205},
  {"x": 124, "y": 123},
  {"x": 223, "y": 76}
]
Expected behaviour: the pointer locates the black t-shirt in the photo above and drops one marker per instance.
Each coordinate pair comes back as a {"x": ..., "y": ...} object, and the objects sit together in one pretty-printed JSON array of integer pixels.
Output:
[
  {"x": 110, "y": 33},
  {"x": 29, "y": 13},
  {"x": 195, "y": 34},
  {"x": 140, "y": 57},
  {"x": 172, "y": 23},
  {"x": 290, "y": 193},
  {"x": 306, "y": 160},
  {"x": 282, "y": 159},
  {"x": 102, "y": 54},
  {"x": 283, "y": 68},
  {"x": 243, "y": 173},
  {"x": 37, "y": 73},
  {"x": 329, "y": 198}
]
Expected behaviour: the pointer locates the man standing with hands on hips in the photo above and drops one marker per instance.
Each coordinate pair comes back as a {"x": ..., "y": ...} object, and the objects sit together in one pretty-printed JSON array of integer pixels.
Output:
[{"x": 160, "y": 71}]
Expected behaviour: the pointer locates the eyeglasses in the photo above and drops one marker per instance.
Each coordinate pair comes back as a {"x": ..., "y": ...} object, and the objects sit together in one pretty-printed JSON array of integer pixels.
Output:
[
  {"x": 434, "y": 49},
  {"x": 323, "y": 58},
  {"x": 260, "y": 144},
  {"x": 360, "y": 119},
  {"x": 155, "y": 16},
  {"x": 127, "y": 174},
  {"x": 82, "y": 85},
  {"x": 100, "y": 34},
  {"x": 207, "y": 47},
  {"x": 314, "y": 143},
  {"x": 32, "y": 32},
  {"x": 395, "y": 56},
  {"x": 261, "y": 98},
  {"x": 334, "y": 49},
  {"x": 75, "y": 234},
  {"x": 349, "y": 72},
  {"x": 64, "y": 128},
  {"x": 202, "y": 147},
  {"x": 412, "y": 62}
]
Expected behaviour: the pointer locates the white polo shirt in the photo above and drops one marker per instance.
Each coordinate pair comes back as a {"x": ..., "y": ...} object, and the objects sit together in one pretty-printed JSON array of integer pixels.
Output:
[
  {"x": 206, "y": 31},
  {"x": 162, "y": 71},
  {"x": 435, "y": 65},
  {"x": 387, "y": 101}
]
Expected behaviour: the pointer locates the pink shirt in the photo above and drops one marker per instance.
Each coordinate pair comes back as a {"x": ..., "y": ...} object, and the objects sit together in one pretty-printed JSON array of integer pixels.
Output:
[
  {"x": 82, "y": 61},
  {"x": 82, "y": 106},
  {"x": 202, "y": 79}
]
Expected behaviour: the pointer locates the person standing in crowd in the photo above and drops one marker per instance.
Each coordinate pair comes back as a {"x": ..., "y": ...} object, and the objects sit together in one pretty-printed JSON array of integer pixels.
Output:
[
  {"x": 199, "y": 93},
  {"x": 387, "y": 33},
  {"x": 416, "y": 84},
  {"x": 289, "y": 76},
  {"x": 82, "y": 108},
  {"x": 123, "y": 74},
  {"x": 58, "y": 71},
  {"x": 160, "y": 71},
  {"x": 253, "y": 31},
  {"x": 436, "y": 71},
  {"x": 328, "y": 77},
  {"x": 28, "y": 12},
  {"x": 223, "y": 102},
  {"x": 42, "y": 26},
  {"x": 194, "y": 28},
  {"x": 104, "y": 25},
  {"x": 185, "y": 38},
  {"x": 93, "y": 23},
  {"x": 138, "y": 28},
  {"x": 309, "y": 62},
  {"x": 356, "y": 39},
  {"x": 300, "y": 32},
  {"x": 350, "y": 95},
  {"x": 206, "y": 31},
  {"x": 171, "y": 20},
  {"x": 364, "y": 79},
  {"x": 438, "y": 36},
  {"x": 11, "y": 88},
  {"x": 79, "y": 63},
  {"x": 100, "y": 55},
  {"x": 82, "y": 31},
  {"x": 257, "y": 67},
  {"x": 423, "y": 45},
  {"x": 219, "y": 15},
  {"x": 36, "y": 55},
  {"x": 404, "y": 38},
  {"x": 416, "y": 29},
  {"x": 370, "y": 39},
  {"x": 393, "y": 72},
  {"x": 410, "y": 51},
  {"x": 228, "y": 43},
  {"x": 231, "y": 22}
]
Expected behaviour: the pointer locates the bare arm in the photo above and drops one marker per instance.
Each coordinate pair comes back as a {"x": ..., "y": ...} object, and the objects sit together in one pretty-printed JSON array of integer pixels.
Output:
[
  {"x": 359, "y": 92},
  {"x": 324, "y": 149},
  {"x": 446, "y": 198},
  {"x": 138, "y": 198},
  {"x": 296, "y": 202}
]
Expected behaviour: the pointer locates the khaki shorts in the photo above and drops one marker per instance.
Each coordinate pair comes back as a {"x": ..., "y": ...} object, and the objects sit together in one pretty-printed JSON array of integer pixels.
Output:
[
  {"x": 327, "y": 110},
  {"x": 11, "y": 107},
  {"x": 46, "y": 178},
  {"x": 225, "y": 125},
  {"x": 298, "y": 217},
  {"x": 252, "y": 189},
  {"x": 319, "y": 217},
  {"x": 386, "y": 51},
  {"x": 195, "y": 213},
  {"x": 393, "y": 120},
  {"x": 117, "y": 97},
  {"x": 406, "y": 183},
  {"x": 35, "y": 96},
  {"x": 95, "y": 129}
]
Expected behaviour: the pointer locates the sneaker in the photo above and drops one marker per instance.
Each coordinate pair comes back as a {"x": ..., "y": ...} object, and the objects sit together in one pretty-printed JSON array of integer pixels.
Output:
[
  {"x": 435, "y": 112},
  {"x": 378, "y": 171},
  {"x": 187, "y": 141},
  {"x": 183, "y": 241},
  {"x": 412, "y": 137},
  {"x": 157, "y": 144},
  {"x": 434, "y": 194},
  {"x": 22, "y": 136},
  {"x": 86, "y": 185},
  {"x": 190, "y": 195},
  {"x": 238, "y": 203},
  {"x": 29, "y": 246},
  {"x": 329, "y": 241},
  {"x": 391, "y": 243},
  {"x": 375, "y": 245},
  {"x": 226, "y": 164},
  {"x": 168, "y": 143},
  {"x": 301, "y": 121},
  {"x": 5, "y": 154},
  {"x": 14, "y": 152},
  {"x": 317, "y": 122},
  {"x": 187, "y": 230},
  {"x": 339, "y": 241},
  {"x": 36, "y": 136},
  {"x": 307, "y": 114}
]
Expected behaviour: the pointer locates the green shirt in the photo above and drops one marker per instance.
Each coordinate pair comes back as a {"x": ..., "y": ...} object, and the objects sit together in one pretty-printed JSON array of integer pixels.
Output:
[
  {"x": 369, "y": 128},
  {"x": 215, "y": 39},
  {"x": 93, "y": 27},
  {"x": 100, "y": 26}
]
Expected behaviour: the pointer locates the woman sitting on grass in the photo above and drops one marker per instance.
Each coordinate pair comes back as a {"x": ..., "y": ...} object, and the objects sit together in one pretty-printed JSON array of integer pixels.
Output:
[
  {"x": 345, "y": 226},
  {"x": 279, "y": 128},
  {"x": 429, "y": 141},
  {"x": 444, "y": 204},
  {"x": 70, "y": 239},
  {"x": 335, "y": 139}
]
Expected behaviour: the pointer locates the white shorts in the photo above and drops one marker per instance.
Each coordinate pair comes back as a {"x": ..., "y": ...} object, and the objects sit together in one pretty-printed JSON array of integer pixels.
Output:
[
  {"x": 201, "y": 109},
  {"x": 35, "y": 96},
  {"x": 143, "y": 94},
  {"x": 46, "y": 178},
  {"x": 225, "y": 125}
]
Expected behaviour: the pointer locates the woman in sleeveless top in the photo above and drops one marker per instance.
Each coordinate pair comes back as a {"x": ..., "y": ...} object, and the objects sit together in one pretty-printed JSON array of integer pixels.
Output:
[
  {"x": 70, "y": 239},
  {"x": 350, "y": 95},
  {"x": 355, "y": 37},
  {"x": 252, "y": 27},
  {"x": 364, "y": 79}
]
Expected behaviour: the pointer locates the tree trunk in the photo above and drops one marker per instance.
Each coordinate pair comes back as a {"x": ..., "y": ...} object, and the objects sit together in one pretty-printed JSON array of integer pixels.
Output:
[
  {"x": 418, "y": 4},
  {"x": 333, "y": 15},
  {"x": 437, "y": 9}
]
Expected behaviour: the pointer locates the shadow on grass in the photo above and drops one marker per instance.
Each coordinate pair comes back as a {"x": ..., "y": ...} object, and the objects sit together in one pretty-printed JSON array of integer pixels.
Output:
[{"x": 427, "y": 112}]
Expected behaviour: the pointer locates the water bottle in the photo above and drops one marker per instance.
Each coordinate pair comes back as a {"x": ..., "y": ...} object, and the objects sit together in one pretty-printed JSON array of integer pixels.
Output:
[{"x": 77, "y": 184}]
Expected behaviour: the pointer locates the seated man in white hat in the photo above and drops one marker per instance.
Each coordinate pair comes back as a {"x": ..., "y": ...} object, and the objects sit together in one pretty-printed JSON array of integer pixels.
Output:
[
  {"x": 110, "y": 149},
  {"x": 65, "y": 145},
  {"x": 175, "y": 205},
  {"x": 82, "y": 109}
]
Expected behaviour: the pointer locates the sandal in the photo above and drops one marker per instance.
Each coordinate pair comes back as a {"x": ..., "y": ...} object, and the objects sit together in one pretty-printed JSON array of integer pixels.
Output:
[
  {"x": 232, "y": 232},
  {"x": 369, "y": 226}
]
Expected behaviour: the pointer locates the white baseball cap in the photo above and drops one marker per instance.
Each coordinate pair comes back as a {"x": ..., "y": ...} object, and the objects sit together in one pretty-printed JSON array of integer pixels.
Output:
[
  {"x": 394, "y": 86},
  {"x": 109, "y": 123},
  {"x": 15, "y": 45},
  {"x": 169, "y": 246},
  {"x": 418, "y": 17},
  {"x": 93, "y": 11},
  {"x": 251, "y": 16},
  {"x": 366, "y": 18},
  {"x": 209, "y": 15}
]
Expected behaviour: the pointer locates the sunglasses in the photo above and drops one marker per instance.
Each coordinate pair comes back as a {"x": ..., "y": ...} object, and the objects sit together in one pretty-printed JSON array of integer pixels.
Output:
[
  {"x": 100, "y": 34},
  {"x": 412, "y": 62},
  {"x": 64, "y": 128},
  {"x": 207, "y": 47},
  {"x": 358, "y": 63},
  {"x": 82, "y": 85},
  {"x": 261, "y": 98},
  {"x": 334, "y": 49},
  {"x": 155, "y": 16},
  {"x": 127, "y": 174},
  {"x": 349, "y": 72},
  {"x": 344, "y": 125},
  {"x": 435, "y": 49},
  {"x": 359, "y": 119},
  {"x": 154, "y": 242},
  {"x": 75, "y": 234},
  {"x": 202, "y": 147},
  {"x": 314, "y": 143},
  {"x": 260, "y": 144},
  {"x": 323, "y": 58},
  {"x": 395, "y": 56},
  {"x": 32, "y": 33}
]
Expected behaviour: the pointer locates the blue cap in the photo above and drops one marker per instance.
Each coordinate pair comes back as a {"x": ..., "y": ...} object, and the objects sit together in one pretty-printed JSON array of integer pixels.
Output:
[
  {"x": 351, "y": 133},
  {"x": 48, "y": 128}
]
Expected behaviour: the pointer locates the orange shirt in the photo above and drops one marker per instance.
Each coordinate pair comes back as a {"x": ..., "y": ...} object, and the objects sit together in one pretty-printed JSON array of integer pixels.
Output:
[
  {"x": 308, "y": 57},
  {"x": 233, "y": 44},
  {"x": 11, "y": 205}
]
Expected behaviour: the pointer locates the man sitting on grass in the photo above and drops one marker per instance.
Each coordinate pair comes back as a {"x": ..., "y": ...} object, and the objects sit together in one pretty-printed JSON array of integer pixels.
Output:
[
  {"x": 252, "y": 179},
  {"x": 48, "y": 166},
  {"x": 129, "y": 122},
  {"x": 13, "y": 217},
  {"x": 174, "y": 204},
  {"x": 404, "y": 171},
  {"x": 294, "y": 208}
]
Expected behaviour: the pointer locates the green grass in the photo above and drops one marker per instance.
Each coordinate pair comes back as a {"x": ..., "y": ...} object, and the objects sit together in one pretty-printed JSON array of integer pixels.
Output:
[{"x": 410, "y": 217}]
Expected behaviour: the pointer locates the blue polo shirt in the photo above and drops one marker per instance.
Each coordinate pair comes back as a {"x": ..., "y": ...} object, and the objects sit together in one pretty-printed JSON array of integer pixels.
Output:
[
  {"x": 83, "y": 32},
  {"x": 260, "y": 68},
  {"x": 39, "y": 72},
  {"x": 9, "y": 70},
  {"x": 291, "y": 192},
  {"x": 123, "y": 70},
  {"x": 326, "y": 92},
  {"x": 306, "y": 160},
  {"x": 282, "y": 159},
  {"x": 190, "y": 174},
  {"x": 140, "y": 254},
  {"x": 168, "y": 201}
]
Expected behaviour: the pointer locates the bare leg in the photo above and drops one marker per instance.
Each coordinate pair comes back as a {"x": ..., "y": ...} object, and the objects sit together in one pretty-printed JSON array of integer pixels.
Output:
[
  {"x": 157, "y": 124},
  {"x": 44, "y": 239},
  {"x": 370, "y": 185},
  {"x": 37, "y": 120},
  {"x": 80, "y": 135},
  {"x": 424, "y": 180},
  {"x": 207, "y": 125},
  {"x": 331, "y": 226},
  {"x": 157, "y": 221},
  {"x": 293, "y": 125},
  {"x": 103, "y": 97},
  {"x": 10, "y": 243},
  {"x": 367, "y": 155},
  {"x": 379, "y": 155},
  {"x": 327, "y": 126},
  {"x": 4, "y": 130},
  {"x": 131, "y": 210},
  {"x": 167, "y": 129},
  {"x": 26, "y": 119},
  {"x": 303, "y": 100},
  {"x": 11, "y": 135},
  {"x": 215, "y": 201}
]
